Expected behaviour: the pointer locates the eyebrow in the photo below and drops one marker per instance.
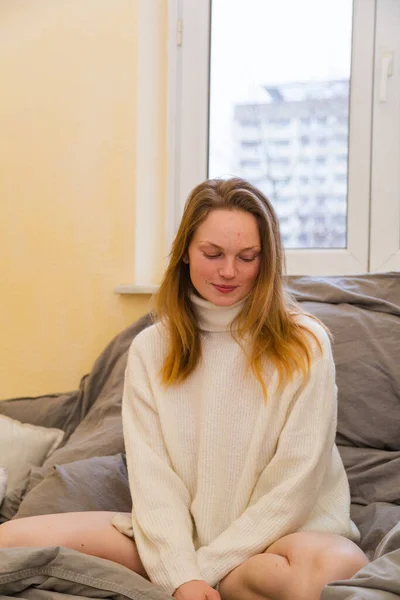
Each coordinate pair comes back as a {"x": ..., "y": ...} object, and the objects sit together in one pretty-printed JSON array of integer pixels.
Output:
[{"x": 220, "y": 248}]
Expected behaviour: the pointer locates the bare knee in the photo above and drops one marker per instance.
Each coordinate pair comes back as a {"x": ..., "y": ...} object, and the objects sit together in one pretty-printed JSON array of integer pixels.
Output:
[
  {"x": 318, "y": 559},
  {"x": 260, "y": 576},
  {"x": 341, "y": 561},
  {"x": 296, "y": 567}
]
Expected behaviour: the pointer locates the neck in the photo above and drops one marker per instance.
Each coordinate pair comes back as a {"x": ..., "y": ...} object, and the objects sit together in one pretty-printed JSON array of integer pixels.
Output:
[{"x": 211, "y": 317}]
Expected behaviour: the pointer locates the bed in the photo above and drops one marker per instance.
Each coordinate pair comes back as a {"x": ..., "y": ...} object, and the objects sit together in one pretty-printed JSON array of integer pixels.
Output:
[{"x": 83, "y": 466}]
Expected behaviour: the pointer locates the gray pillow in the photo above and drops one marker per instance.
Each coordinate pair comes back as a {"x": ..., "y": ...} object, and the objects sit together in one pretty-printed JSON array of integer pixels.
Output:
[
  {"x": 98, "y": 483},
  {"x": 374, "y": 475},
  {"x": 363, "y": 314}
]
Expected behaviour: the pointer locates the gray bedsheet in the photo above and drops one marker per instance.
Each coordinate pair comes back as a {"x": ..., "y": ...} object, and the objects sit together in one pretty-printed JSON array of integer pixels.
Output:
[
  {"x": 363, "y": 312},
  {"x": 380, "y": 580},
  {"x": 54, "y": 572}
]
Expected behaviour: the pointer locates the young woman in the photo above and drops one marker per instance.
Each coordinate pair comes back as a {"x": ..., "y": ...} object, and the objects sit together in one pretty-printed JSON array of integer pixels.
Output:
[{"x": 229, "y": 415}]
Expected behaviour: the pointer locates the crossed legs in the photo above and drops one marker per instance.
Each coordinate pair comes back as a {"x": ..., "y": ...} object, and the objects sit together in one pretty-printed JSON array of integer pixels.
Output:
[{"x": 296, "y": 567}]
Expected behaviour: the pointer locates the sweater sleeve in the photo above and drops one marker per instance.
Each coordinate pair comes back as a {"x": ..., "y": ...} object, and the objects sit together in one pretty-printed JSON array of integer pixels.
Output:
[
  {"x": 287, "y": 489},
  {"x": 161, "y": 521}
]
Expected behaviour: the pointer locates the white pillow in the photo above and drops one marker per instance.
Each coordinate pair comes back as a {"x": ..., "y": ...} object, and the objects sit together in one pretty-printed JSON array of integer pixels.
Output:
[
  {"x": 23, "y": 446},
  {"x": 3, "y": 483}
]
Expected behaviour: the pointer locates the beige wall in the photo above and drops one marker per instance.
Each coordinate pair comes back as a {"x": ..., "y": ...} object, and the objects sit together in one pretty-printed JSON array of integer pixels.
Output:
[{"x": 67, "y": 183}]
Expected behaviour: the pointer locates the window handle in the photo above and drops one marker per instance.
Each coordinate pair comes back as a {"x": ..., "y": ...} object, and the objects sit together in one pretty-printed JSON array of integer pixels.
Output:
[{"x": 386, "y": 72}]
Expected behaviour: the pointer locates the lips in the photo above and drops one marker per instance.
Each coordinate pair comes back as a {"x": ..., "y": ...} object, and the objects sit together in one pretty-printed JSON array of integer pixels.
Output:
[{"x": 225, "y": 288}]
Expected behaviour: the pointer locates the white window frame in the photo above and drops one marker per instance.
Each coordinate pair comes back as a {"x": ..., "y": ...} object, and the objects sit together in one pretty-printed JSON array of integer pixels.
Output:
[
  {"x": 189, "y": 78},
  {"x": 149, "y": 123},
  {"x": 385, "y": 181},
  {"x": 187, "y": 103}
]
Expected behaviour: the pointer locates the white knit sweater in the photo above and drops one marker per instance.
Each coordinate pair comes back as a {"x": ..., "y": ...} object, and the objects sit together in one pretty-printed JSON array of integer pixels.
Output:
[{"x": 216, "y": 474}]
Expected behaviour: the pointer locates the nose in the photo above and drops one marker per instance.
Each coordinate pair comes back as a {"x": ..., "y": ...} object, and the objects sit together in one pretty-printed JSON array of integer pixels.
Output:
[{"x": 228, "y": 270}]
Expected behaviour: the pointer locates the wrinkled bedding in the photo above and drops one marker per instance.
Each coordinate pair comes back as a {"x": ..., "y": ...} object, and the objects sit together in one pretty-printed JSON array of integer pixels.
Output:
[
  {"x": 88, "y": 471},
  {"x": 53, "y": 573},
  {"x": 380, "y": 580}
]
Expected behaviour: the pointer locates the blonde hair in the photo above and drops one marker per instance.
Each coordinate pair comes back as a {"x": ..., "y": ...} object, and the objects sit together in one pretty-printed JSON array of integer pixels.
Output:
[{"x": 269, "y": 312}]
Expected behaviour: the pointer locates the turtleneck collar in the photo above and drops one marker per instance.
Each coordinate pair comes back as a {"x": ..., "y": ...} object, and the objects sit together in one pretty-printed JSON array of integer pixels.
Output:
[{"x": 214, "y": 318}]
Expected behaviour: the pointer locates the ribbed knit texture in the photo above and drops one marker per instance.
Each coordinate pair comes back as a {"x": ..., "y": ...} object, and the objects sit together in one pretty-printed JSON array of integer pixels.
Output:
[{"x": 216, "y": 474}]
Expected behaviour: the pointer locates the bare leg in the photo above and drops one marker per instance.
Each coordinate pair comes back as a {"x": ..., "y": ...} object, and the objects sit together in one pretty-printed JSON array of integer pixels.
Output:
[
  {"x": 296, "y": 567},
  {"x": 87, "y": 532}
]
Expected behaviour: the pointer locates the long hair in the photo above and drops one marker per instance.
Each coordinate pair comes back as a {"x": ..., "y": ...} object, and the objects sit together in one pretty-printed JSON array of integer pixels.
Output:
[{"x": 268, "y": 313}]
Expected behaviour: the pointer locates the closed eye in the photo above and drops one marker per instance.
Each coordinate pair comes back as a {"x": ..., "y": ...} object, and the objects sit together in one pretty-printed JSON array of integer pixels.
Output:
[{"x": 242, "y": 258}]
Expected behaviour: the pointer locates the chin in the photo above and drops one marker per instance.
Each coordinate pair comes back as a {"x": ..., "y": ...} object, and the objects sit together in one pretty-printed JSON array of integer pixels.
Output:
[{"x": 225, "y": 300}]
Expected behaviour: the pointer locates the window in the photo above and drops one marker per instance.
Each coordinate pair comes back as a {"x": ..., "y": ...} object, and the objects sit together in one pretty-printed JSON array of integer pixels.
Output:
[
  {"x": 340, "y": 138},
  {"x": 250, "y": 143},
  {"x": 283, "y": 143},
  {"x": 280, "y": 160},
  {"x": 308, "y": 88},
  {"x": 304, "y": 140},
  {"x": 250, "y": 162},
  {"x": 246, "y": 122},
  {"x": 345, "y": 95},
  {"x": 279, "y": 122},
  {"x": 340, "y": 178}
]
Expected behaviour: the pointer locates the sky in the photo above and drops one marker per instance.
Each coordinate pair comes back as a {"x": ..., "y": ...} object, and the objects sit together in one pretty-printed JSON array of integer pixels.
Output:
[{"x": 260, "y": 42}]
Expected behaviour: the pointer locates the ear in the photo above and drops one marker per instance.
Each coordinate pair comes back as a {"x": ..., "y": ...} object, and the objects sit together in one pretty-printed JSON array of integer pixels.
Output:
[{"x": 186, "y": 258}]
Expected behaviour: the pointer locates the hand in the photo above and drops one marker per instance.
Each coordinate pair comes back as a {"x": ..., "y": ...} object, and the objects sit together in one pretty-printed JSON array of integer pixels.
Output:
[{"x": 196, "y": 590}]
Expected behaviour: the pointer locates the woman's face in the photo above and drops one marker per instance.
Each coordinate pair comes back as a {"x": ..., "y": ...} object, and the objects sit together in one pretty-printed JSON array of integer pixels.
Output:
[{"x": 224, "y": 256}]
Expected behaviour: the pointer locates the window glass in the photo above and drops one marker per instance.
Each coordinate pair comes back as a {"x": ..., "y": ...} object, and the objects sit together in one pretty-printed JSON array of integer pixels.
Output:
[{"x": 279, "y": 109}]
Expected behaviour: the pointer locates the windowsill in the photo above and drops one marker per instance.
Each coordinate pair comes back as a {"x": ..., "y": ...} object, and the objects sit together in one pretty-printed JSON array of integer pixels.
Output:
[{"x": 135, "y": 289}]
